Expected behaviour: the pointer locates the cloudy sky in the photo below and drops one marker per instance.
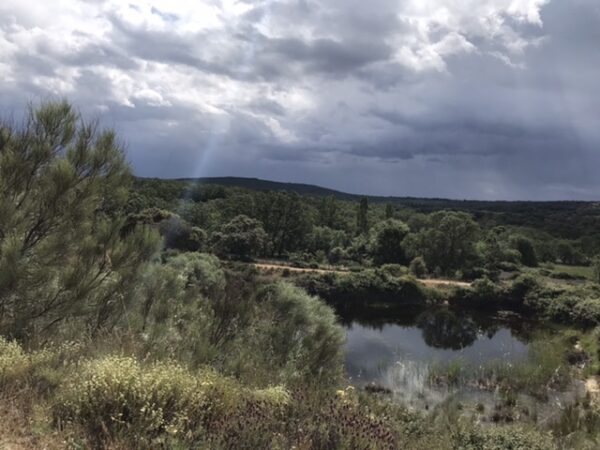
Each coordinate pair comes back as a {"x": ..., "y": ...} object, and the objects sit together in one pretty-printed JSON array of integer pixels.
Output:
[{"x": 490, "y": 99}]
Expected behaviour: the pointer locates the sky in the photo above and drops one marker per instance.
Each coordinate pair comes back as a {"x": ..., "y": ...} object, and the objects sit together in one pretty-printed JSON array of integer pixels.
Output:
[{"x": 475, "y": 99}]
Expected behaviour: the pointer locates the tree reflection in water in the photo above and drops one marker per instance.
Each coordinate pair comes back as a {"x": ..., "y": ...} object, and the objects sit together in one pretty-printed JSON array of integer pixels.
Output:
[{"x": 443, "y": 329}]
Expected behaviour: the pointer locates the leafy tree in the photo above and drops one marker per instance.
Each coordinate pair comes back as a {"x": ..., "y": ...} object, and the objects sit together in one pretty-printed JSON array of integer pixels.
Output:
[
  {"x": 359, "y": 248},
  {"x": 387, "y": 246},
  {"x": 198, "y": 214},
  {"x": 494, "y": 249},
  {"x": 242, "y": 236},
  {"x": 286, "y": 218},
  {"x": 325, "y": 238},
  {"x": 63, "y": 253},
  {"x": 526, "y": 249},
  {"x": 206, "y": 192},
  {"x": 148, "y": 216},
  {"x": 329, "y": 213},
  {"x": 336, "y": 255},
  {"x": 569, "y": 255},
  {"x": 448, "y": 243}
]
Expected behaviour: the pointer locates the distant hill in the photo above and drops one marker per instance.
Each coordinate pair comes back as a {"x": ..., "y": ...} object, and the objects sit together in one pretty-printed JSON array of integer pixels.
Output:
[
  {"x": 415, "y": 202},
  {"x": 257, "y": 184}
]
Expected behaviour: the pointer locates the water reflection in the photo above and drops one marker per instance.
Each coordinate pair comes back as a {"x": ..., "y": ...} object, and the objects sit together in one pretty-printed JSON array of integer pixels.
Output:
[
  {"x": 439, "y": 336},
  {"x": 443, "y": 329},
  {"x": 406, "y": 353}
]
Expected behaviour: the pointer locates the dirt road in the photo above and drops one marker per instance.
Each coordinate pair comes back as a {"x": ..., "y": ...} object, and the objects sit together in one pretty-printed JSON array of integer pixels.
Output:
[{"x": 432, "y": 282}]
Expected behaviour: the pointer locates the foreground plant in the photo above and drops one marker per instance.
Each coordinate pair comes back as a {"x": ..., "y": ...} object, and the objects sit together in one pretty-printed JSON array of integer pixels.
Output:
[{"x": 63, "y": 183}]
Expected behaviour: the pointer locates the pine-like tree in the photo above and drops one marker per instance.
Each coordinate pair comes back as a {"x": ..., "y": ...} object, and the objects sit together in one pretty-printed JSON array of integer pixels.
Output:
[
  {"x": 362, "y": 222},
  {"x": 63, "y": 251}
]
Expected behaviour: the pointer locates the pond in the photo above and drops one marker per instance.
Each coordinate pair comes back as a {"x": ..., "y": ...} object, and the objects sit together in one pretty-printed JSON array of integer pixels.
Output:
[{"x": 401, "y": 355}]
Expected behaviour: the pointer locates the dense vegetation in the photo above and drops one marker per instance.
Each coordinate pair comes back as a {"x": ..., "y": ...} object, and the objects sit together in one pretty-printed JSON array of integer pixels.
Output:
[
  {"x": 130, "y": 317},
  {"x": 387, "y": 245},
  {"x": 451, "y": 236}
]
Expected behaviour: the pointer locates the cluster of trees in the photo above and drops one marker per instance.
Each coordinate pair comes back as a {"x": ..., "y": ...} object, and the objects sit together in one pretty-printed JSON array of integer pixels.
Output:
[
  {"x": 245, "y": 224},
  {"x": 74, "y": 237}
]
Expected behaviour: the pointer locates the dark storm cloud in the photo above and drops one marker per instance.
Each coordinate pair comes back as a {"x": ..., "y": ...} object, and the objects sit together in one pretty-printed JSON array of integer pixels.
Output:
[
  {"x": 486, "y": 99},
  {"x": 327, "y": 55}
]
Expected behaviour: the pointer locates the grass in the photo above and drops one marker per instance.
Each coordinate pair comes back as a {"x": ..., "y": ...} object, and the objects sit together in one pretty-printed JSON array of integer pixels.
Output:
[
  {"x": 590, "y": 344},
  {"x": 545, "y": 368},
  {"x": 575, "y": 271}
]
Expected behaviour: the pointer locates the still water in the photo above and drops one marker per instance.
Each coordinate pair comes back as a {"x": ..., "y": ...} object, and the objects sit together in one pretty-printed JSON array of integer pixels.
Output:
[{"x": 399, "y": 355}]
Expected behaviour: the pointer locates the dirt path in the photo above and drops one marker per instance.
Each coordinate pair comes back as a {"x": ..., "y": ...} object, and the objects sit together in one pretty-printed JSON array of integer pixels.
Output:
[
  {"x": 438, "y": 282},
  {"x": 431, "y": 282}
]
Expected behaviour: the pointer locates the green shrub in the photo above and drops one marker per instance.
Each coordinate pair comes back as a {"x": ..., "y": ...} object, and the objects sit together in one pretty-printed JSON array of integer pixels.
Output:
[
  {"x": 364, "y": 288},
  {"x": 14, "y": 362},
  {"x": 566, "y": 304},
  {"x": 417, "y": 267},
  {"x": 393, "y": 270},
  {"x": 304, "y": 336},
  {"x": 118, "y": 396},
  {"x": 18, "y": 367}
]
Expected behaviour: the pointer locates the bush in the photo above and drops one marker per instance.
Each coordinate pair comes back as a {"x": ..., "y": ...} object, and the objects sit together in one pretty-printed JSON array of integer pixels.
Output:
[
  {"x": 304, "y": 336},
  {"x": 566, "y": 304},
  {"x": 418, "y": 268},
  {"x": 363, "y": 288},
  {"x": 17, "y": 367},
  {"x": 393, "y": 270},
  {"x": 14, "y": 362},
  {"x": 336, "y": 255},
  {"x": 119, "y": 396},
  {"x": 483, "y": 294}
]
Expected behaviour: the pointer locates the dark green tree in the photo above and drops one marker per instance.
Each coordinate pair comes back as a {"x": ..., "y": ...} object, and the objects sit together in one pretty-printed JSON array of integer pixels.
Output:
[
  {"x": 389, "y": 211},
  {"x": 447, "y": 243},
  {"x": 180, "y": 235},
  {"x": 325, "y": 238},
  {"x": 362, "y": 221},
  {"x": 525, "y": 247},
  {"x": 242, "y": 237},
  {"x": 63, "y": 253},
  {"x": 286, "y": 218},
  {"x": 387, "y": 242}
]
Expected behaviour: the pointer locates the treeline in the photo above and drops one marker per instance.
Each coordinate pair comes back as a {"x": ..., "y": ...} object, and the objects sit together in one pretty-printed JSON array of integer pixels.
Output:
[{"x": 306, "y": 230}]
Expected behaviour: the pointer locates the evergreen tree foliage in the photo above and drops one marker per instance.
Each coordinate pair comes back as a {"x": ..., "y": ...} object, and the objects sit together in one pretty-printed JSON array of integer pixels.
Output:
[
  {"x": 362, "y": 221},
  {"x": 63, "y": 185}
]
